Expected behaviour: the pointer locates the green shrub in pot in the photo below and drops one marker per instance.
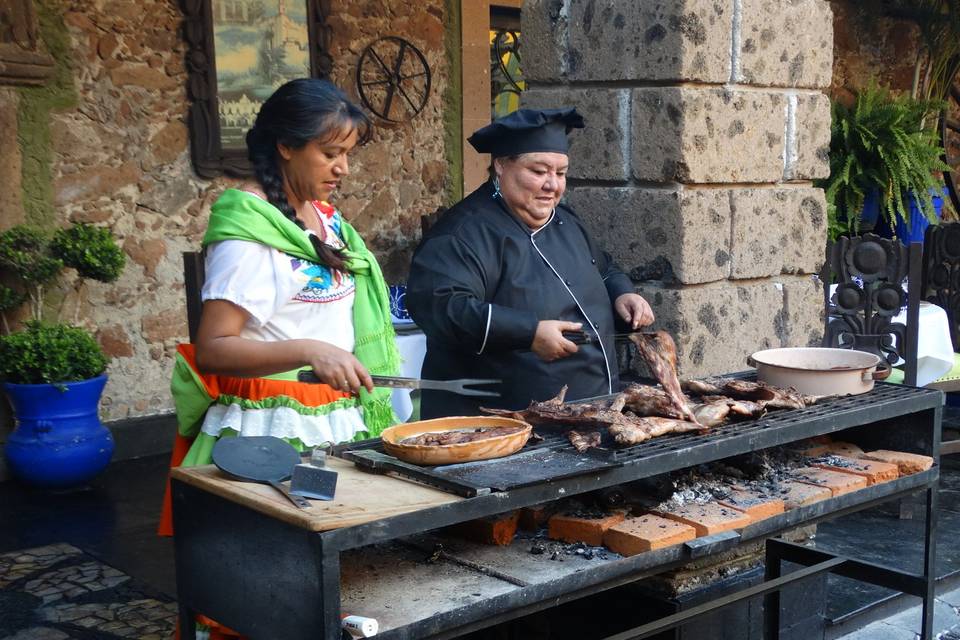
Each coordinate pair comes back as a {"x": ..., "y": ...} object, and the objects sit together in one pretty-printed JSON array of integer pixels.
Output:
[
  {"x": 53, "y": 371},
  {"x": 50, "y": 353},
  {"x": 30, "y": 262}
]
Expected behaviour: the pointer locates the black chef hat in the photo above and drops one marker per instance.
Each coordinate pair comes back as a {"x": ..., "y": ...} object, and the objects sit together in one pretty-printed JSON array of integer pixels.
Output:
[{"x": 527, "y": 131}]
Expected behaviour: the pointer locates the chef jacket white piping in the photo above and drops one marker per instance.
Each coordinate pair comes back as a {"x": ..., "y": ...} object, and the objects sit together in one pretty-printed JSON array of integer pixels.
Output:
[
  {"x": 487, "y": 332},
  {"x": 589, "y": 322},
  {"x": 553, "y": 214}
]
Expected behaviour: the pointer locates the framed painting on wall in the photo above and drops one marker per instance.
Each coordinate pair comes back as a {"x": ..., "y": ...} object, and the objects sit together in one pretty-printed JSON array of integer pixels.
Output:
[{"x": 239, "y": 52}]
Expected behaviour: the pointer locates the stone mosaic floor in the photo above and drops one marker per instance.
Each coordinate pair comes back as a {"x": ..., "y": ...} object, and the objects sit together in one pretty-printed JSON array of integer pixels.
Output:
[{"x": 58, "y": 592}]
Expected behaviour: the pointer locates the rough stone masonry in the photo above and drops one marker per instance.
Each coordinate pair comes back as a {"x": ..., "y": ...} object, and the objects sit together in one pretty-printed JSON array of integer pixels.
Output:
[{"x": 706, "y": 124}]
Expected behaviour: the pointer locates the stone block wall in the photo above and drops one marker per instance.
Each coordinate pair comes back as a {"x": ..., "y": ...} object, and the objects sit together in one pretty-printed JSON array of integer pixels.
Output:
[
  {"x": 706, "y": 124},
  {"x": 115, "y": 152}
]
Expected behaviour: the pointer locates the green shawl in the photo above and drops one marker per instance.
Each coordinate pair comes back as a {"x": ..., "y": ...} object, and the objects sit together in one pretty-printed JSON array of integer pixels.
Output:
[{"x": 237, "y": 215}]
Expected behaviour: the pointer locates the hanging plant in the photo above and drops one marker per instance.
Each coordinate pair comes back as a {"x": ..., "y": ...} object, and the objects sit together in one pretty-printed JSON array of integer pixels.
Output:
[{"x": 880, "y": 143}]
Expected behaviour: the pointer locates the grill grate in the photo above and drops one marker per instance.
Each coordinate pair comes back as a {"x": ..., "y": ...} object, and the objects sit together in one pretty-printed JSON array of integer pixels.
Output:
[
  {"x": 674, "y": 451},
  {"x": 826, "y": 410}
]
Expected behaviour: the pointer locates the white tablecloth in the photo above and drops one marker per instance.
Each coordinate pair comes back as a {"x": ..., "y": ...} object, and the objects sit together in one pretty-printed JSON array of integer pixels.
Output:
[
  {"x": 412, "y": 346},
  {"x": 934, "y": 347}
]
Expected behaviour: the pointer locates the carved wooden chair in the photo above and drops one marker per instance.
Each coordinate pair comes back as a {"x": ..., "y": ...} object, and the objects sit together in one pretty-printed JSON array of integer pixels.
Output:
[
  {"x": 868, "y": 271},
  {"x": 941, "y": 286},
  {"x": 193, "y": 276}
]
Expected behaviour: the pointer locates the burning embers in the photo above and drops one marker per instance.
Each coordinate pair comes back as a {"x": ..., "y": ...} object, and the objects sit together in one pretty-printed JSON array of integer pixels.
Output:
[{"x": 642, "y": 412}]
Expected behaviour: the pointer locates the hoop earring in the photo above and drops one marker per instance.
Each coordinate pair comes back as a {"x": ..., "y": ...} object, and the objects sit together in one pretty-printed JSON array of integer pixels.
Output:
[{"x": 496, "y": 187}]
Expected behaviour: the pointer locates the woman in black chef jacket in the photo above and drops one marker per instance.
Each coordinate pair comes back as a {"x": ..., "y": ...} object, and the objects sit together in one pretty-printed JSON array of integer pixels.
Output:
[{"x": 506, "y": 270}]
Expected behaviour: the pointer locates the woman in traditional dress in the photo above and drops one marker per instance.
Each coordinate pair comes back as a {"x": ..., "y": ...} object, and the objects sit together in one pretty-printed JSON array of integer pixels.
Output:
[{"x": 289, "y": 285}]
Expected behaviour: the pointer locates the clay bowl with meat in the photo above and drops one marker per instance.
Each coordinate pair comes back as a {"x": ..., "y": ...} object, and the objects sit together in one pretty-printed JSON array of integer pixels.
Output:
[{"x": 507, "y": 435}]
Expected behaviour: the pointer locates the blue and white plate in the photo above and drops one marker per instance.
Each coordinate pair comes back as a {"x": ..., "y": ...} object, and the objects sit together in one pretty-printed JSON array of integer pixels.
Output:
[{"x": 398, "y": 305}]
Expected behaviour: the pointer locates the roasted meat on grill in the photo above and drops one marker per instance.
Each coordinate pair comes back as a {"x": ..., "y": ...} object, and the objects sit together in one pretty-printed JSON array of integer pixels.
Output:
[
  {"x": 638, "y": 429},
  {"x": 745, "y": 408},
  {"x": 759, "y": 392},
  {"x": 660, "y": 353},
  {"x": 710, "y": 414},
  {"x": 583, "y": 441},
  {"x": 553, "y": 411},
  {"x": 645, "y": 400}
]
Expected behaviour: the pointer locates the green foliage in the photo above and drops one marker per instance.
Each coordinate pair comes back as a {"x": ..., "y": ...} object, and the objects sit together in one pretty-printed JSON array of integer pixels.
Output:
[
  {"x": 10, "y": 299},
  {"x": 90, "y": 250},
  {"x": 23, "y": 251},
  {"x": 29, "y": 260},
  {"x": 43, "y": 353},
  {"x": 880, "y": 144}
]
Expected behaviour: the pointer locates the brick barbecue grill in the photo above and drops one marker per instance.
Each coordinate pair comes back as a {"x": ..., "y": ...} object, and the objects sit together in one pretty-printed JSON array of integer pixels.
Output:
[{"x": 378, "y": 569}]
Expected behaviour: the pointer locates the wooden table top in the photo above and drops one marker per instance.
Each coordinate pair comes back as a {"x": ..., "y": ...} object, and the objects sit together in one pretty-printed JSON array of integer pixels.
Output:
[{"x": 360, "y": 496}]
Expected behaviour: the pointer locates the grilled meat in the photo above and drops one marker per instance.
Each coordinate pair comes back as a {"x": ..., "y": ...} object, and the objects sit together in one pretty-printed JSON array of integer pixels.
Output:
[
  {"x": 638, "y": 429},
  {"x": 745, "y": 408},
  {"x": 710, "y": 414},
  {"x": 758, "y": 392},
  {"x": 769, "y": 397},
  {"x": 700, "y": 388},
  {"x": 645, "y": 400},
  {"x": 553, "y": 411},
  {"x": 583, "y": 441},
  {"x": 458, "y": 436},
  {"x": 660, "y": 353}
]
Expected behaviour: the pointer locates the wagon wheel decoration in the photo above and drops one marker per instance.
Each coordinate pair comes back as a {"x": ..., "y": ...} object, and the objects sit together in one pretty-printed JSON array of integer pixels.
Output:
[
  {"x": 393, "y": 79},
  {"x": 950, "y": 136}
]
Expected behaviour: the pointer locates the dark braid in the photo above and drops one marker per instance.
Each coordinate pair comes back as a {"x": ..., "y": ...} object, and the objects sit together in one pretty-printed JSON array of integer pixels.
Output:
[{"x": 298, "y": 112}]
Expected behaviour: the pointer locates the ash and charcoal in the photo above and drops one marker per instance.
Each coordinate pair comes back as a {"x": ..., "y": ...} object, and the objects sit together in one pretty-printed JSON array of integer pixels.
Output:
[
  {"x": 761, "y": 472},
  {"x": 832, "y": 460},
  {"x": 559, "y": 551}
]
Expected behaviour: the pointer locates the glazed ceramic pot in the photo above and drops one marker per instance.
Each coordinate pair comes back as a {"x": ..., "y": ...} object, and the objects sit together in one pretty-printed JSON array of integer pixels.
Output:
[{"x": 58, "y": 441}]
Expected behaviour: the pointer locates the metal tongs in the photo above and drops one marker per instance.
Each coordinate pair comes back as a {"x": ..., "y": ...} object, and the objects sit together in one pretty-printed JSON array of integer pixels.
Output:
[
  {"x": 453, "y": 386},
  {"x": 582, "y": 337}
]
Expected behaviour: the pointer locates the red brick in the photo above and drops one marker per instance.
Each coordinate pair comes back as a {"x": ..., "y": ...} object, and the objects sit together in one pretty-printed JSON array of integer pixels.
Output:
[
  {"x": 813, "y": 447},
  {"x": 874, "y": 472},
  {"x": 646, "y": 532},
  {"x": 532, "y": 518},
  {"x": 847, "y": 449},
  {"x": 907, "y": 463},
  {"x": 754, "y": 504},
  {"x": 572, "y": 528},
  {"x": 709, "y": 518},
  {"x": 838, "y": 483},
  {"x": 499, "y": 529},
  {"x": 799, "y": 494}
]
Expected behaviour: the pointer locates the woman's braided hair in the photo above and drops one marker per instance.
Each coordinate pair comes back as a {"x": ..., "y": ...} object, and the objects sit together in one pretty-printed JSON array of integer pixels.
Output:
[{"x": 300, "y": 111}]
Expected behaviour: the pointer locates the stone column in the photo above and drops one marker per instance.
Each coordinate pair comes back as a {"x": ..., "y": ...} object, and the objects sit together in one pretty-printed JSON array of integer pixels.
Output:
[{"x": 706, "y": 123}]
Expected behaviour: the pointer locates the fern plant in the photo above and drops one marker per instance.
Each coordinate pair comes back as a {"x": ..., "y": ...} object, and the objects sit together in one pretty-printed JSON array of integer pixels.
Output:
[{"x": 880, "y": 143}]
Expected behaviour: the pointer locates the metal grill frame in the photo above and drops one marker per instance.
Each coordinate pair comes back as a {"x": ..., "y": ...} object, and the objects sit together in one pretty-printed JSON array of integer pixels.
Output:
[{"x": 296, "y": 592}]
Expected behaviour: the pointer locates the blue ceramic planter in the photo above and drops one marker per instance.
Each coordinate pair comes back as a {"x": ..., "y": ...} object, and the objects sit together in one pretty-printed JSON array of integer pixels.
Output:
[
  {"x": 59, "y": 440},
  {"x": 918, "y": 222}
]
